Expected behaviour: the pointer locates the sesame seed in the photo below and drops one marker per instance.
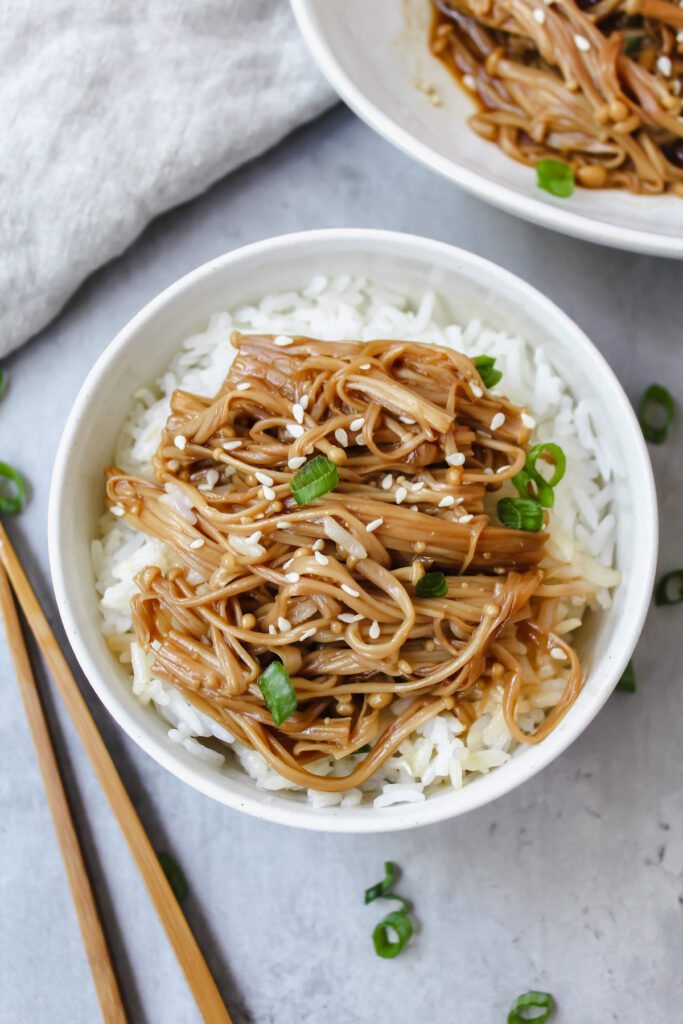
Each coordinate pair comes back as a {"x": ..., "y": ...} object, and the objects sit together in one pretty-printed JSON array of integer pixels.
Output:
[
  {"x": 364, "y": 366},
  {"x": 269, "y": 493},
  {"x": 255, "y": 538},
  {"x": 664, "y": 65},
  {"x": 406, "y": 419},
  {"x": 271, "y": 628},
  {"x": 263, "y": 478},
  {"x": 349, "y": 617},
  {"x": 357, "y": 424},
  {"x": 465, "y": 519},
  {"x": 341, "y": 436},
  {"x": 416, "y": 486},
  {"x": 446, "y": 501},
  {"x": 558, "y": 654},
  {"x": 488, "y": 471},
  {"x": 349, "y": 590},
  {"x": 298, "y": 412},
  {"x": 296, "y": 462},
  {"x": 292, "y": 577},
  {"x": 295, "y": 429},
  {"x": 211, "y": 478},
  {"x": 283, "y": 624},
  {"x": 476, "y": 390},
  {"x": 230, "y": 446},
  {"x": 679, "y": 37},
  {"x": 528, "y": 420},
  {"x": 455, "y": 459},
  {"x": 244, "y": 386},
  {"x": 117, "y": 510},
  {"x": 401, "y": 493},
  {"x": 303, "y": 402},
  {"x": 198, "y": 543},
  {"x": 319, "y": 544},
  {"x": 374, "y": 631},
  {"x": 371, "y": 527},
  {"x": 582, "y": 43},
  {"x": 308, "y": 633},
  {"x": 539, "y": 15},
  {"x": 180, "y": 441},
  {"x": 387, "y": 482},
  {"x": 469, "y": 82},
  {"x": 282, "y": 340},
  {"x": 497, "y": 421},
  {"x": 320, "y": 558}
]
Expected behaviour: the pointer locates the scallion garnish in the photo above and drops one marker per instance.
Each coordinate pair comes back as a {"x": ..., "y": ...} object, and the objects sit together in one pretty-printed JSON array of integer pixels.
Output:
[
  {"x": 278, "y": 692},
  {"x": 658, "y": 397},
  {"x": 316, "y": 478},
  {"x": 489, "y": 375},
  {"x": 531, "y": 1001},
  {"x": 174, "y": 874},
  {"x": 520, "y": 514},
  {"x": 542, "y": 489},
  {"x": 663, "y": 593},
  {"x": 399, "y": 921},
  {"x": 10, "y": 504},
  {"x": 365, "y": 749},
  {"x": 627, "y": 683},
  {"x": 375, "y": 891},
  {"x": 432, "y": 584},
  {"x": 555, "y": 177},
  {"x": 632, "y": 45}
]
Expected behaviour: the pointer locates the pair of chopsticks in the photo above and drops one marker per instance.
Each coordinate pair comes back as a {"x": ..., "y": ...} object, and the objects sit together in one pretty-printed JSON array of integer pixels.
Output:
[{"x": 197, "y": 973}]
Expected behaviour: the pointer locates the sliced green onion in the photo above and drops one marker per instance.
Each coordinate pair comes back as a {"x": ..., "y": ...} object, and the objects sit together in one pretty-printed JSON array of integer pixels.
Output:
[
  {"x": 278, "y": 692},
  {"x": 365, "y": 749},
  {"x": 632, "y": 45},
  {"x": 432, "y": 584},
  {"x": 316, "y": 478},
  {"x": 520, "y": 514},
  {"x": 375, "y": 891},
  {"x": 627, "y": 683},
  {"x": 485, "y": 366},
  {"x": 400, "y": 921},
  {"x": 533, "y": 485},
  {"x": 174, "y": 874},
  {"x": 663, "y": 593},
  {"x": 11, "y": 504},
  {"x": 554, "y": 453},
  {"x": 555, "y": 177},
  {"x": 656, "y": 395},
  {"x": 531, "y": 1001}
]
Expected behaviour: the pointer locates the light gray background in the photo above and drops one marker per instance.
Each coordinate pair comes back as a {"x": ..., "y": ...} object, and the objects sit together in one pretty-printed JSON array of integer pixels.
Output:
[{"x": 573, "y": 883}]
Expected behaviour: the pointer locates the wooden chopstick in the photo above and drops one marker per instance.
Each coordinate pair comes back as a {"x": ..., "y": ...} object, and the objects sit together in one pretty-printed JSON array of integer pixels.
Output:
[
  {"x": 197, "y": 973},
  {"x": 81, "y": 891}
]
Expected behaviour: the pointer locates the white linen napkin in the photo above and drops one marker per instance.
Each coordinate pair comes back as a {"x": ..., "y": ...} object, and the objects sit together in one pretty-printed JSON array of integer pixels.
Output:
[{"x": 112, "y": 111}]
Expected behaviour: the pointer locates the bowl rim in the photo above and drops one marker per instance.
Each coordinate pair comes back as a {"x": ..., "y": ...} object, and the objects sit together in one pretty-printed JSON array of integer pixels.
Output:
[
  {"x": 528, "y": 207},
  {"x": 267, "y": 805}
]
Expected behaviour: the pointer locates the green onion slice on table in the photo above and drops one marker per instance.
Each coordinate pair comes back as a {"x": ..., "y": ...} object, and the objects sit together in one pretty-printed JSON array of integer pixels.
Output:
[
  {"x": 316, "y": 478},
  {"x": 174, "y": 874},
  {"x": 278, "y": 692},
  {"x": 656, "y": 413},
  {"x": 627, "y": 683},
  {"x": 555, "y": 177},
  {"x": 669, "y": 589},
  {"x": 524, "y": 1008},
  {"x": 12, "y": 503},
  {"x": 399, "y": 921}
]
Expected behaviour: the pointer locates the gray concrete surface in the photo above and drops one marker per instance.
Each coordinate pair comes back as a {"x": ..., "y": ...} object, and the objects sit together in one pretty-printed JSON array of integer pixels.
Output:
[{"x": 573, "y": 883}]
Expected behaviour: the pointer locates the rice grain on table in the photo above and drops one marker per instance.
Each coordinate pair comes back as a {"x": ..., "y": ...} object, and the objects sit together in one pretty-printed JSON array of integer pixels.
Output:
[{"x": 582, "y": 527}]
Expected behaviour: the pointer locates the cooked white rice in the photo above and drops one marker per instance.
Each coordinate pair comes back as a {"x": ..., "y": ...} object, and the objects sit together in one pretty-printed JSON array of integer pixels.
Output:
[{"x": 582, "y": 525}]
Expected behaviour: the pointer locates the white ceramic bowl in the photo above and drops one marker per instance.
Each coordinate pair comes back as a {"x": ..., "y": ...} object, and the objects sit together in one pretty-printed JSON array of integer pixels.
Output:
[
  {"x": 371, "y": 52},
  {"x": 472, "y": 287}
]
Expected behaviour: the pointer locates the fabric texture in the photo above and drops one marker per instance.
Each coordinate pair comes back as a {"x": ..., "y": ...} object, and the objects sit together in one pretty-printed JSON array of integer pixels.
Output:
[{"x": 111, "y": 112}]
